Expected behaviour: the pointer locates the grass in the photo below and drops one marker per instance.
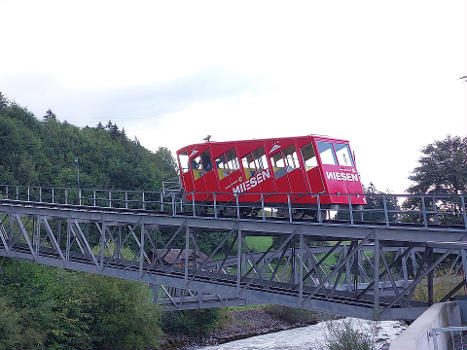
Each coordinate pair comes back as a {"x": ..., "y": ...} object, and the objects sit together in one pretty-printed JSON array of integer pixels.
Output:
[{"x": 259, "y": 243}]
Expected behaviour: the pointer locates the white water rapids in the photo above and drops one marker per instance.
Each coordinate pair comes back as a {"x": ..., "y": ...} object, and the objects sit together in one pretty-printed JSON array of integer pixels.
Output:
[{"x": 310, "y": 337}]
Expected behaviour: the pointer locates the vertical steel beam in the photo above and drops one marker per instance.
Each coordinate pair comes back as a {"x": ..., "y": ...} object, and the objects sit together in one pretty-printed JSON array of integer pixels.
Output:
[
  {"x": 430, "y": 277},
  {"x": 300, "y": 281},
  {"x": 68, "y": 239},
  {"x": 101, "y": 255},
  {"x": 376, "y": 275},
  {"x": 187, "y": 247},
  {"x": 239, "y": 260},
  {"x": 405, "y": 271},
  {"x": 141, "y": 250}
]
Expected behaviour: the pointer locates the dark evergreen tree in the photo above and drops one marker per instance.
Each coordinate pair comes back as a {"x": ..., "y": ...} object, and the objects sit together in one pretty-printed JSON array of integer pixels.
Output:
[{"x": 49, "y": 115}]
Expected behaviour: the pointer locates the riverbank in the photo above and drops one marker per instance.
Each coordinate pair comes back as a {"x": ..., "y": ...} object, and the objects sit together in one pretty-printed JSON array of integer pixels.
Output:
[{"x": 247, "y": 322}]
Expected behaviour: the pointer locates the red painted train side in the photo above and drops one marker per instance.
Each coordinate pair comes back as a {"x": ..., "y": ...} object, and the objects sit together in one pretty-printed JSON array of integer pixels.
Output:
[{"x": 274, "y": 167}]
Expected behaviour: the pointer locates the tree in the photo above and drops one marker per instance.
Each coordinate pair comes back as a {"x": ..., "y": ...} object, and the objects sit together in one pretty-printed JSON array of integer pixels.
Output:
[
  {"x": 3, "y": 102},
  {"x": 443, "y": 168},
  {"x": 49, "y": 115}
]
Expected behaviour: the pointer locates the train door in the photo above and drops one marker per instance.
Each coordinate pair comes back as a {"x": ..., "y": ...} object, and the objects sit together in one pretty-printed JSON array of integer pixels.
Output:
[
  {"x": 258, "y": 176},
  {"x": 315, "y": 181},
  {"x": 205, "y": 181},
  {"x": 185, "y": 173},
  {"x": 228, "y": 173},
  {"x": 295, "y": 176},
  {"x": 279, "y": 170}
]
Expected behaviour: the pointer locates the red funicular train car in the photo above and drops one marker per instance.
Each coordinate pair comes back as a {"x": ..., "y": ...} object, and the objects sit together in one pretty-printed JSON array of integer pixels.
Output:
[{"x": 274, "y": 171}]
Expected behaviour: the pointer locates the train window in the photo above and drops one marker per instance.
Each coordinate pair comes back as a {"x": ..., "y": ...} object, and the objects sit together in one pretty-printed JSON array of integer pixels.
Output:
[
  {"x": 183, "y": 158},
  {"x": 309, "y": 156},
  {"x": 278, "y": 165},
  {"x": 253, "y": 162},
  {"x": 227, "y": 163},
  {"x": 291, "y": 158},
  {"x": 343, "y": 154},
  {"x": 201, "y": 165},
  {"x": 326, "y": 152}
]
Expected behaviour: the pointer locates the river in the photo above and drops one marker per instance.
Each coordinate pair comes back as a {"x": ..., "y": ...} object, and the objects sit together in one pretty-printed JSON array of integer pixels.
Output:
[{"x": 311, "y": 337}]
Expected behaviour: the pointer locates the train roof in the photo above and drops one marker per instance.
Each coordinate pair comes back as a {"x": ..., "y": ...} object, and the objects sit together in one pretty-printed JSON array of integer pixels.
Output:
[{"x": 322, "y": 137}]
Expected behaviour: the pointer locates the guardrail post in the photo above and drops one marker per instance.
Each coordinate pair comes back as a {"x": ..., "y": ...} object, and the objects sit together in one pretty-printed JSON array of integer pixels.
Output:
[
  {"x": 350, "y": 209},
  {"x": 385, "y": 206},
  {"x": 6, "y": 191},
  {"x": 126, "y": 199},
  {"x": 320, "y": 219},
  {"x": 424, "y": 211},
  {"x": 239, "y": 260},
  {"x": 193, "y": 203},
  {"x": 40, "y": 194},
  {"x": 79, "y": 196},
  {"x": 464, "y": 214},
  {"x": 236, "y": 204},
  {"x": 262, "y": 206},
  {"x": 110, "y": 198},
  {"x": 435, "y": 210},
  {"x": 290, "y": 208},
  {"x": 28, "y": 194},
  {"x": 94, "y": 197},
  {"x": 66, "y": 195},
  {"x": 17, "y": 193},
  {"x": 173, "y": 204},
  {"x": 215, "y": 205},
  {"x": 162, "y": 201},
  {"x": 53, "y": 195},
  {"x": 144, "y": 203}
]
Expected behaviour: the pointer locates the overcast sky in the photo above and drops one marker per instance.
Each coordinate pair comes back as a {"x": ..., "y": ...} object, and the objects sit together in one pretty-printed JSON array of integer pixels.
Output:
[{"x": 382, "y": 74}]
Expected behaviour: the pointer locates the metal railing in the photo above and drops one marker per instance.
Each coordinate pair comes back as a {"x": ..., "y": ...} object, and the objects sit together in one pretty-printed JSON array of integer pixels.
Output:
[
  {"x": 391, "y": 210},
  {"x": 450, "y": 338}
]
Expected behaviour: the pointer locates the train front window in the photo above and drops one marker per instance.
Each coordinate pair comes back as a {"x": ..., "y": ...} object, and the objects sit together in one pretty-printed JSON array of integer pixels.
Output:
[
  {"x": 309, "y": 157},
  {"x": 326, "y": 153},
  {"x": 343, "y": 154},
  {"x": 183, "y": 159}
]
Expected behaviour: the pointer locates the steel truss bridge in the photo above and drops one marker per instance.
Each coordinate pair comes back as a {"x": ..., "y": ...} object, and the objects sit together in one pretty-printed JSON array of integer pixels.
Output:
[{"x": 372, "y": 263}]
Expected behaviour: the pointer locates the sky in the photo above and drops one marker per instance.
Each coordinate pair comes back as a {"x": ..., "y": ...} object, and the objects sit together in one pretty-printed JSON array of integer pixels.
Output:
[{"x": 382, "y": 74}]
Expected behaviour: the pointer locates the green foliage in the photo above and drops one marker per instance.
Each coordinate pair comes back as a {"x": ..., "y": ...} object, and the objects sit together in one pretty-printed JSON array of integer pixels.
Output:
[
  {"x": 34, "y": 152},
  {"x": 443, "y": 167},
  {"x": 45, "y": 307},
  {"x": 344, "y": 335},
  {"x": 123, "y": 313},
  {"x": 192, "y": 322},
  {"x": 290, "y": 314}
]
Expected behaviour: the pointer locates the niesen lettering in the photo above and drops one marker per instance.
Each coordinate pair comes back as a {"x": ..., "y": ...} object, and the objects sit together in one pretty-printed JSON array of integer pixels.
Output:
[
  {"x": 341, "y": 176},
  {"x": 252, "y": 182}
]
